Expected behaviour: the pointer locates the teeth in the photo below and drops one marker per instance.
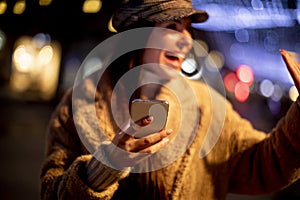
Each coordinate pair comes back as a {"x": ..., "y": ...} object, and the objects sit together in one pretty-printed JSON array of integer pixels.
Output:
[{"x": 174, "y": 56}]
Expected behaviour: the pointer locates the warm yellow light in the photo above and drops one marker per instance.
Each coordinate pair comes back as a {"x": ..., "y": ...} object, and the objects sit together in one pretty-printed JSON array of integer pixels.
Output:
[
  {"x": 49, "y": 75},
  {"x": 45, "y": 55},
  {"x": 19, "y": 7},
  {"x": 110, "y": 26},
  {"x": 45, "y": 2},
  {"x": 293, "y": 92},
  {"x": 91, "y": 6},
  {"x": 35, "y": 68},
  {"x": 3, "y": 7},
  {"x": 214, "y": 60},
  {"x": 23, "y": 59},
  {"x": 20, "y": 82}
]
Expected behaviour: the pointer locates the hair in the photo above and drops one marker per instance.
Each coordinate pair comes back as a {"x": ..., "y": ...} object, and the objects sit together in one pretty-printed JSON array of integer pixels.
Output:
[
  {"x": 140, "y": 24},
  {"x": 130, "y": 59}
]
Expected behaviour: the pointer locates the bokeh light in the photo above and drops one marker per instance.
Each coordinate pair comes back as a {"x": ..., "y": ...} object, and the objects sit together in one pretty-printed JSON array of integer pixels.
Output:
[
  {"x": 19, "y": 7},
  {"x": 214, "y": 60},
  {"x": 3, "y": 7},
  {"x": 23, "y": 59},
  {"x": 230, "y": 81},
  {"x": 257, "y": 5},
  {"x": 45, "y": 2},
  {"x": 45, "y": 55},
  {"x": 266, "y": 88},
  {"x": 189, "y": 65},
  {"x": 241, "y": 91},
  {"x": 35, "y": 67},
  {"x": 245, "y": 74},
  {"x": 293, "y": 93},
  {"x": 203, "y": 51},
  {"x": 41, "y": 39},
  {"x": 91, "y": 6},
  {"x": 242, "y": 35},
  {"x": 274, "y": 106},
  {"x": 110, "y": 26},
  {"x": 277, "y": 93}
]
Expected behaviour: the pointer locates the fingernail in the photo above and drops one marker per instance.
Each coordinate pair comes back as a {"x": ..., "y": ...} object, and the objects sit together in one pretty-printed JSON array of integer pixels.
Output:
[
  {"x": 169, "y": 131},
  {"x": 282, "y": 51},
  {"x": 149, "y": 119}
]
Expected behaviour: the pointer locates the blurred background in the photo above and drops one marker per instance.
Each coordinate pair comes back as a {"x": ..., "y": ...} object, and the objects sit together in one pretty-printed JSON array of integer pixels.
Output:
[{"x": 43, "y": 42}]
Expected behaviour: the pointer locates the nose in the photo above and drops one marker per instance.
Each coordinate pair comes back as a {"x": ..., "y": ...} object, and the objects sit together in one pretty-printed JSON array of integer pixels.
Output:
[{"x": 182, "y": 43}]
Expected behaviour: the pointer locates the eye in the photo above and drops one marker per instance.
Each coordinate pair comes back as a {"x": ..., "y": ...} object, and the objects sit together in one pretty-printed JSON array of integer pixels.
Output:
[{"x": 172, "y": 26}]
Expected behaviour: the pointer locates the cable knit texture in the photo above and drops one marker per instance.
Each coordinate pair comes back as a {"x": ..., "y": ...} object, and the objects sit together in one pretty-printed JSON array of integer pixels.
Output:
[{"x": 100, "y": 176}]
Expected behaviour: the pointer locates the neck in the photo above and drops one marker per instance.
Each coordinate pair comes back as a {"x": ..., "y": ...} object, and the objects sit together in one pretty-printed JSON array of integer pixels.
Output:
[{"x": 149, "y": 91}]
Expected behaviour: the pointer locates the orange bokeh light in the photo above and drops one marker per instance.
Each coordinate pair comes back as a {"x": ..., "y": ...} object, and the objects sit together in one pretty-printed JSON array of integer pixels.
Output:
[
  {"x": 230, "y": 80},
  {"x": 241, "y": 91}
]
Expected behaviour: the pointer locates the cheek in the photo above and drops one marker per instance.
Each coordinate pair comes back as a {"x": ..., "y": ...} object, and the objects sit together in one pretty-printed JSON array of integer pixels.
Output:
[
  {"x": 152, "y": 56},
  {"x": 163, "y": 39}
]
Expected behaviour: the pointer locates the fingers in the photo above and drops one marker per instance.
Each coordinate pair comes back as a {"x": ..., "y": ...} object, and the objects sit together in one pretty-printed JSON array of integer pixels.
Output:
[
  {"x": 149, "y": 143},
  {"x": 129, "y": 158},
  {"x": 137, "y": 149},
  {"x": 143, "y": 143},
  {"x": 142, "y": 122},
  {"x": 146, "y": 121},
  {"x": 127, "y": 141},
  {"x": 128, "y": 133},
  {"x": 135, "y": 126},
  {"x": 154, "y": 148},
  {"x": 293, "y": 67}
]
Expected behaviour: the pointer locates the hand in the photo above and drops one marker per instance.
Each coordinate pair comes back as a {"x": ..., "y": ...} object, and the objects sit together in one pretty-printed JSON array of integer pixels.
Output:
[
  {"x": 150, "y": 144},
  {"x": 137, "y": 148},
  {"x": 293, "y": 67}
]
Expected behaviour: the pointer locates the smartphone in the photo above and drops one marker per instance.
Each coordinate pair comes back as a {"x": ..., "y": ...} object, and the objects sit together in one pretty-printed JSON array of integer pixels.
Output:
[{"x": 158, "y": 109}]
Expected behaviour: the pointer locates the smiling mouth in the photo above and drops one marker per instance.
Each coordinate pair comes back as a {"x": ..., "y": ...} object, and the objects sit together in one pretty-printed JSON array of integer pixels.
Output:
[
  {"x": 172, "y": 56},
  {"x": 174, "y": 59}
]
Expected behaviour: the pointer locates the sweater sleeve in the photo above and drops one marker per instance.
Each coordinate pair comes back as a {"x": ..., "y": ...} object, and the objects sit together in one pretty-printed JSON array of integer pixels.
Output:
[
  {"x": 264, "y": 163},
  {"x": 100, "y": 176},
  {"x": 63, "y": 173}
]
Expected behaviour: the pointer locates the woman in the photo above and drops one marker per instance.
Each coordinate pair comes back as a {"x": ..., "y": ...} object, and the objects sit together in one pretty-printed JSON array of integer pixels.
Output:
[{"x": 177, "y": 162}]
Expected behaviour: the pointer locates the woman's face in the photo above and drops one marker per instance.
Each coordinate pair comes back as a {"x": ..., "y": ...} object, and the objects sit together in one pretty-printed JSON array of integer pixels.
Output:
[{"x": 175, "y": 42}]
